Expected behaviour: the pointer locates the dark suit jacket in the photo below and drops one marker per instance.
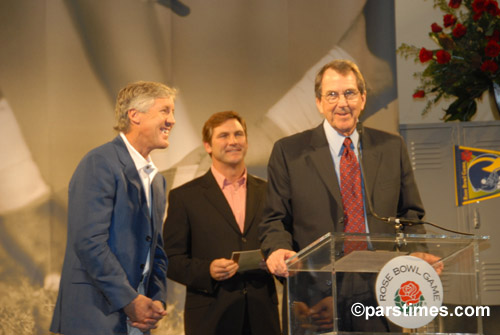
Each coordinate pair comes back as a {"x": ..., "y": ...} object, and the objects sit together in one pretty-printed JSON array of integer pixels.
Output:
[
  {"x": 110, "y": 233},
  {"x": 201, "y": 227},
  {"x": 304, "y": 200}
]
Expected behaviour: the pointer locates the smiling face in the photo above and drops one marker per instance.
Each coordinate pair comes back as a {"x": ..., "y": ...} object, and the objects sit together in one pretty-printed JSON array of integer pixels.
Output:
[
  {"x": 153, "y": 127},
  {"x": 342, "y": 115},
  {"x": 228, "y": 145}
]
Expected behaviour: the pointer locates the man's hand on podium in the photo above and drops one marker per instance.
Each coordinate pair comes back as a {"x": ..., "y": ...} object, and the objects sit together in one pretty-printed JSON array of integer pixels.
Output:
[
  {"x": 276, "y": 262},
  {"x": 433, "y": 260}
]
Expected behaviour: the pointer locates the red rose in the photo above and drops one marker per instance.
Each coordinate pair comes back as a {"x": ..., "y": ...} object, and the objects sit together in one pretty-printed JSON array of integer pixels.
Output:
[
  {"x": 489, "y": 66},
  {"x": 466, "y": 155},
  {"x": 449, "y": 20},
  {"x": 425, "y": 55},
  {"x": 443, "y": 56},
  {"x": 479, "y": 6},
  {"x": 495, "y": 36},
  {"x": 492, "y": 7},
  {"x": 419, "y": 94},
  {"x": 492, "y": 49},
  {"x": 454, "y": 3},
  {"x": 459, "y": 30},
  {"x": 410, "y": 293},
  {"x": 436, "y": 28}
]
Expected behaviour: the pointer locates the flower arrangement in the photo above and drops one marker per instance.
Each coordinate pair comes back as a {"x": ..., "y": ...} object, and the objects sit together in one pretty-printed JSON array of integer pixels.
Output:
[{"x": 466, "y": 62}]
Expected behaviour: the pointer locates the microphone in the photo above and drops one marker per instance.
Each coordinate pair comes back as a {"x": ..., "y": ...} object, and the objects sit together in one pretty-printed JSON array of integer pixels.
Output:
[{"x": 399, "y": 223}]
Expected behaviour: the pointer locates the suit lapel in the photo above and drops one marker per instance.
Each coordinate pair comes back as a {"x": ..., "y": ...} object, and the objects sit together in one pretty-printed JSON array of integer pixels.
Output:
[
  {"x": 131, "y": 174},
  {"x": 216, "y": 198},
  {"x": 321, "y": 158},
  {"x": 158, "y": 201},
  {"x": 253, "y": 202}
]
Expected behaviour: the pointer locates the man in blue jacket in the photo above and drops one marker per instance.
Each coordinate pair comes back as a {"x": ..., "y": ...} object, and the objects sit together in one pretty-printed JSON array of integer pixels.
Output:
[{"x": 114, "y": 273}]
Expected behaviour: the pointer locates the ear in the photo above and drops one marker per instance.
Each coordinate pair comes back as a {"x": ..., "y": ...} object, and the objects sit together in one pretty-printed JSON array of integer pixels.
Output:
[
  {"x": 363, "y": 101},
  {"x": 134, "y": 116},
  {"x": 319, "y": 106},
  {"x": 208, "y": 147}
]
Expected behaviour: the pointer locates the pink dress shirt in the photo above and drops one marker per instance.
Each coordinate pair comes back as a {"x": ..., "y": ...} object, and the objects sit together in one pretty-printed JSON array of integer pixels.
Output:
[{"x": 235, "y": 193}]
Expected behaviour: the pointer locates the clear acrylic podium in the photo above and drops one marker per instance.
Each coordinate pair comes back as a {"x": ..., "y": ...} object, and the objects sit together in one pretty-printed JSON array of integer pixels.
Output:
[{"x": 323, "y": 282}]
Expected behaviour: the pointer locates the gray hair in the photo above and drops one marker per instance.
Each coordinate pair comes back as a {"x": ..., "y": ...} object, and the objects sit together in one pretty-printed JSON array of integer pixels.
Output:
[
  {"x": 140, "y": 96},
  {"x": 342, "y": 66}
]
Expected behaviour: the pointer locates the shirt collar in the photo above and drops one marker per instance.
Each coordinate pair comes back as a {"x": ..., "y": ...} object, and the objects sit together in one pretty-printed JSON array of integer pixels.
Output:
[
  {"x": 336, "y": 140},
  {"x": 223, "y": 182},
  {"x": 139, "y": 161}
]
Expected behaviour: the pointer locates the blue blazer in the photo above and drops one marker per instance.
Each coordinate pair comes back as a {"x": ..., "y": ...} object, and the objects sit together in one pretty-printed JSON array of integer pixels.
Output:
[{"x": 110, "y": 232}]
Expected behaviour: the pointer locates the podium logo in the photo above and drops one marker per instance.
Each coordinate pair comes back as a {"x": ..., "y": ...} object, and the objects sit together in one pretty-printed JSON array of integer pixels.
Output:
[
  {"x": 409, "y": 296},
  {"x": 409, "y": 290}
]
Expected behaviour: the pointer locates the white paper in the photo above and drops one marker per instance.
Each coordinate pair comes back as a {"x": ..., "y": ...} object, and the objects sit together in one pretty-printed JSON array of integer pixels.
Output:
[{"x": 248, "y": 259}]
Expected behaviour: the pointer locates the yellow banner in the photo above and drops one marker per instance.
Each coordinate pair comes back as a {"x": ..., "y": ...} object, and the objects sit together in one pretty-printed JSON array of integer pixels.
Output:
[{"x": 476, "y": 174}]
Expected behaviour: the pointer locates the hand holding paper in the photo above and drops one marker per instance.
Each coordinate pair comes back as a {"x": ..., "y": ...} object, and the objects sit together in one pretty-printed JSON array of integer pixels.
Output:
[
  {"x": 223, "y": 268},
  {"x": 248, "y": 259}
]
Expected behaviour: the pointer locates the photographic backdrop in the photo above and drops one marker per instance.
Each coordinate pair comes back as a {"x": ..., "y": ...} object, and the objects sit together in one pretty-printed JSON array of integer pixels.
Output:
[{"x": 63, "y": 62}]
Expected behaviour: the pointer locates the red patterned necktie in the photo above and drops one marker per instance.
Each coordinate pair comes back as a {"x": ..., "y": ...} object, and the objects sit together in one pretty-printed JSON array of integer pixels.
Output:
[{"x": 352, "y": 197}]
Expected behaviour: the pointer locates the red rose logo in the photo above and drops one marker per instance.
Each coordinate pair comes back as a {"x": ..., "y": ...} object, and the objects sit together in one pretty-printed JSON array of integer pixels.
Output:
[
  {"x": 466, "y": 155},
  {"x": 410, "y": 293}
]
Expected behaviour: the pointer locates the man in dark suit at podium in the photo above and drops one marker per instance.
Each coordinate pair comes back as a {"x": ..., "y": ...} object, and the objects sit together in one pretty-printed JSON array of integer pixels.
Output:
[
  {"x": 209, "y": 218},
  {"x": 310, "y": 191}
]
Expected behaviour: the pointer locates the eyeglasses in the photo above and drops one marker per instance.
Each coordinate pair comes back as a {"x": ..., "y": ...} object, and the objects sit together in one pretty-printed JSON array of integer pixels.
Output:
[{"x": 333, "y": 97}]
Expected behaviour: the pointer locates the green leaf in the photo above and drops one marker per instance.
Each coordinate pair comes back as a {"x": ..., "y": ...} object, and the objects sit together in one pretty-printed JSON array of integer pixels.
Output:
[{"x": 462, "y": 109}]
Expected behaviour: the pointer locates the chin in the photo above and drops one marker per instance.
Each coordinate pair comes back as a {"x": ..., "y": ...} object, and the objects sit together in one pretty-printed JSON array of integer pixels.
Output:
[
  {"x": 346, "y": 125},
  {"x": 233, "y": 161},
  {"x": 163, "y": 145}
]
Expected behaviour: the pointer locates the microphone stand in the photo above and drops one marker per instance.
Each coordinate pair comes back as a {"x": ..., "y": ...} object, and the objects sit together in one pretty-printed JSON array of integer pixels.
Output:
[{"x": 399, "y": 223}]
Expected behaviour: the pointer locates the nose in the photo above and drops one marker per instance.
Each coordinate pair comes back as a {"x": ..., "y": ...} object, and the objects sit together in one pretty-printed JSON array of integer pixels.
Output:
[
  {"x": 232, "y": 139},
  {"x": 342, "y": 101},
  {"x": 170, "y": 119}
]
